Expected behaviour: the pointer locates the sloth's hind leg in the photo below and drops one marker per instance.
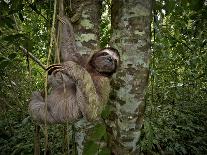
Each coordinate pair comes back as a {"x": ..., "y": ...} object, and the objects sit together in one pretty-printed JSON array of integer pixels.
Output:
[{"x": 37, "y": 109}]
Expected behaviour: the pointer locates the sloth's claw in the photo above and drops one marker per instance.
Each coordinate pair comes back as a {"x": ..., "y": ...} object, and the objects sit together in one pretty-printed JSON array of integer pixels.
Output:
[
  {"x": 58, "y": 70},
  {"x": 54, "y": 68}
]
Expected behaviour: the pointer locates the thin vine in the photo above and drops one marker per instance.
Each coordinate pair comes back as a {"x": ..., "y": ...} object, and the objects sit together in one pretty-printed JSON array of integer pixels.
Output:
[{"x": 52, "y": 35}]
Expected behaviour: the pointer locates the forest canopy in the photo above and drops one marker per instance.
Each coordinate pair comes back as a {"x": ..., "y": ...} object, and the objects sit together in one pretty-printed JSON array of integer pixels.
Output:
[{"x": 176, "y": 97}]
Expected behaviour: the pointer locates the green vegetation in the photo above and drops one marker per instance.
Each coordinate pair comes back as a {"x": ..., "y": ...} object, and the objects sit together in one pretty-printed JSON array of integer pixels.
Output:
[
  {"x": 20, "y": 26},
  {"x": 175, "y": 119},
  {"x": 176, "y": 99}
]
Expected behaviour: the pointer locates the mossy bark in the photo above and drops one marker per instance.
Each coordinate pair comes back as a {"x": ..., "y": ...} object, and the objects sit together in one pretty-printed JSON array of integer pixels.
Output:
[
  {"x": 131, "y": 36},
  {"x": 87, "y": 33}
]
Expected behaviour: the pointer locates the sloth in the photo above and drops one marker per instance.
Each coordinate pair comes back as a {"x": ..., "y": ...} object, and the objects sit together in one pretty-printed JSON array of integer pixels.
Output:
[{"x": 77, "y": 89}]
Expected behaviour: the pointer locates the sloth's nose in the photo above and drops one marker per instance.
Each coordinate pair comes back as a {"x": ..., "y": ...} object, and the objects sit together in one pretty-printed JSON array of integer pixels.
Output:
[{"x": 110, "y": 59}]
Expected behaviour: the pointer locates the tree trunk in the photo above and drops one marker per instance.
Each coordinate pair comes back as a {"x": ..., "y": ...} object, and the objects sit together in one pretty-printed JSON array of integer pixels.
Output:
[
  {"x": 87, "y": 30},
  {"x": 131, "y": 36},
  {"x": 87, "y": 35}
]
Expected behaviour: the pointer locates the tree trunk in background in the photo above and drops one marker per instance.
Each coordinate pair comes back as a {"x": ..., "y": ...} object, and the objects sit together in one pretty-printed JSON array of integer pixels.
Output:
[
  {"x": 131, "y": 36},
  {"x": 87, "y": 35},
  {"x": 87, "y": 30}
]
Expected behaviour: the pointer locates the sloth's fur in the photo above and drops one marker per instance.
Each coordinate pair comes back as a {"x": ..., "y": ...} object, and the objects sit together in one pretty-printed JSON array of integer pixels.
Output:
[{"x": 76, "y": 90}]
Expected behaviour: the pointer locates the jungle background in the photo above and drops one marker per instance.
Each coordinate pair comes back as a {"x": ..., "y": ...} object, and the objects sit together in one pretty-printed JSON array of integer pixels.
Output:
[{"x": 176, "y": 98}]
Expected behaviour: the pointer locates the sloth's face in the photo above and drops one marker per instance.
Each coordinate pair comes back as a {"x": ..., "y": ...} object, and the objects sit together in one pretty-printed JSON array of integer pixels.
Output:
[{"x": 106, "y": 61}]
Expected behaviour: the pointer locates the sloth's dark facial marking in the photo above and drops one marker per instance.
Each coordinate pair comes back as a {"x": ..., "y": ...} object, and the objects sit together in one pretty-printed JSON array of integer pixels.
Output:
[{"x": 105, "y": 61}]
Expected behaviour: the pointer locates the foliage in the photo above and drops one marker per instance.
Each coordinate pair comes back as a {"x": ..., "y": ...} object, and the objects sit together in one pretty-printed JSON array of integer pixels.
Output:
[
  {"x": 105, "y": 23},
  {"x": 175, "y": 120},
  {"x": 19, "y": 26},
  {"x": 94, "y": 144}
]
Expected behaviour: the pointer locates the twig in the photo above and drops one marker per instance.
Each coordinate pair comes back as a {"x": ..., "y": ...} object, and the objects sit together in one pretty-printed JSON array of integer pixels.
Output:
[{"x": 32, "y": 57}]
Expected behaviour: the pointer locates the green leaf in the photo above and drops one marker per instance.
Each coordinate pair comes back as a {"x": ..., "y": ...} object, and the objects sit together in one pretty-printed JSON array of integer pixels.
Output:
[
  {"x": 12, "y": 56},
  {"x": 98, "y": 132},
  {"x": 28, "y": 44},
  {"x": 169, "y": 6},
  {"x": 106, "y": 112},
  {"x": 105, "y": 151},
  {"x": 4, "y": 64},
  {"x": 3, "y": 58},
  {"x": 91, "y": 148}
]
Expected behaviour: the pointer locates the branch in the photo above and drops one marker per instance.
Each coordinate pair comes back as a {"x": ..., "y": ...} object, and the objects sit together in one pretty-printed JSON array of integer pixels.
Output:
[
  {"x": 177, "y": 40},
  {"x": 32, "y": 57}
]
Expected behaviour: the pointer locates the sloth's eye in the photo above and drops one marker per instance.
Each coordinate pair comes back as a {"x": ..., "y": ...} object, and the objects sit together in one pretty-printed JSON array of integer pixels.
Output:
[{"x": 103, "y": 54}]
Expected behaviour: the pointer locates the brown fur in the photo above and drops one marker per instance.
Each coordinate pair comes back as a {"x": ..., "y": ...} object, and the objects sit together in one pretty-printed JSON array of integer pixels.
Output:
[{"x": 76, "y": 92}]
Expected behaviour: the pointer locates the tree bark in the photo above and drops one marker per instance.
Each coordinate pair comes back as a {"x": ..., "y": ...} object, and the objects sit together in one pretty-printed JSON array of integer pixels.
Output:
[
  {"x": 87, "y": 29},
  {"x": 87, "y": 33},
  {"x": 131, "y": 36}
]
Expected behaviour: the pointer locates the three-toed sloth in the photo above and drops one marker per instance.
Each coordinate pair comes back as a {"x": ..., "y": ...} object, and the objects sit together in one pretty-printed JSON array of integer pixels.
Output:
[{"x": 77, "y": 89}]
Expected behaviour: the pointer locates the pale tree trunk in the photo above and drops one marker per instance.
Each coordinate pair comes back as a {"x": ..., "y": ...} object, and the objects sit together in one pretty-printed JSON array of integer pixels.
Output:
[
  {"x": 87, "y": 29},
  {"x": 131, "y": 36},
  {"x": 87, "y": 33}
]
